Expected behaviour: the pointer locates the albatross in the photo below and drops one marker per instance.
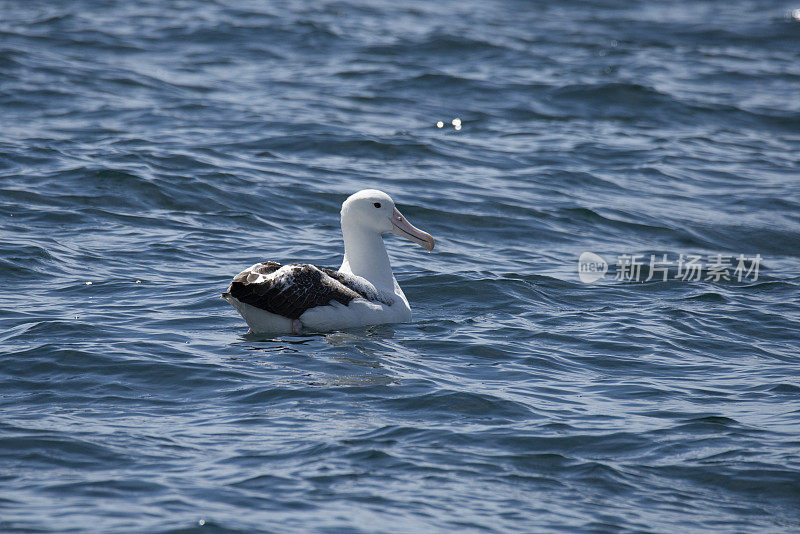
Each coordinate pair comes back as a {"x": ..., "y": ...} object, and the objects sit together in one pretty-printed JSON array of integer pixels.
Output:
[{"x": 275, "y": 298}]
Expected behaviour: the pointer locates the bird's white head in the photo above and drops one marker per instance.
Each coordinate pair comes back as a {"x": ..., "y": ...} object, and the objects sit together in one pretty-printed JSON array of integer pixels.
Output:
[{"x": 375, "y": 210}]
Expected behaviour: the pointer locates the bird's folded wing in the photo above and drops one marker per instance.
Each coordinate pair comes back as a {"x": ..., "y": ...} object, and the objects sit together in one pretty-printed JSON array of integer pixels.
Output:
[{"x": 292, "y": 289}]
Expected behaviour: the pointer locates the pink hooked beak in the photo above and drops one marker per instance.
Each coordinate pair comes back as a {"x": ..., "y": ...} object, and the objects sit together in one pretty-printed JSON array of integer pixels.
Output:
[{"x": 403, "y": 228}]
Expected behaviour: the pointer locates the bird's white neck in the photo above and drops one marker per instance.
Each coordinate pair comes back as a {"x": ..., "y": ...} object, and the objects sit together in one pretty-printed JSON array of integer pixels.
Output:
[{"x": 365, "y": 256}]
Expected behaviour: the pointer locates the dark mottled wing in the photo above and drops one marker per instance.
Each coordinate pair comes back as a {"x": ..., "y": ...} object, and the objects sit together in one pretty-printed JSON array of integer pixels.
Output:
[
  {"x": 249, "y": 275},
  {"x": 290, "y": 290}
]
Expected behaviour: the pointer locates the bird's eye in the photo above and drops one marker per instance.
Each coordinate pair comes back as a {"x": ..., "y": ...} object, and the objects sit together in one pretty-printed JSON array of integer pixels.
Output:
[{"x": 377, "y": 204}]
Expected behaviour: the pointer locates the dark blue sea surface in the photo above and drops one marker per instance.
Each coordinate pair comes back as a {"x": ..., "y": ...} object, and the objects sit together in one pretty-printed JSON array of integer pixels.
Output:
[{"x": 151, "y": 150}]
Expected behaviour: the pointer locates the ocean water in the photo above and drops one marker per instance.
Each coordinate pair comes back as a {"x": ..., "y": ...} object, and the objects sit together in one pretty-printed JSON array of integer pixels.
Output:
[{"x": 151, "y": 150}]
